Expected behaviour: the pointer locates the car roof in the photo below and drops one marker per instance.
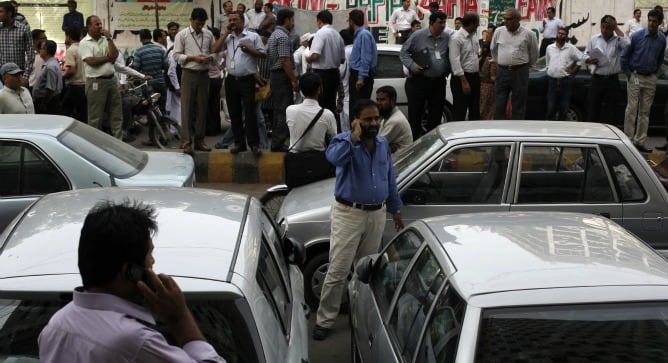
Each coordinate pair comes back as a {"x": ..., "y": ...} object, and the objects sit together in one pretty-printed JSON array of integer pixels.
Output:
[
  {"x": 516, "y": 128},
  {"x": 47, "y": 124},
  {"x": 495, "y": 252},
  {"x": 198, "y": 231}
]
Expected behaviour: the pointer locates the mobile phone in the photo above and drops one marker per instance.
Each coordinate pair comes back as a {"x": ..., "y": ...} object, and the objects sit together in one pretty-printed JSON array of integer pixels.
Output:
[{"x": 137, "y": 273}]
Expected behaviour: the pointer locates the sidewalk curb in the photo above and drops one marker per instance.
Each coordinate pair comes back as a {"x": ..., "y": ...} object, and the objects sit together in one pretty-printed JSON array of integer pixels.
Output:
[{"x": 220, "y": 166}]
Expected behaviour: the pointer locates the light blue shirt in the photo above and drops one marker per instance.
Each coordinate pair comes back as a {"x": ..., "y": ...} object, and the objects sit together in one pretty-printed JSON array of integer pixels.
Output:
[
  {"x": 244, "y": 64},
  {"x": 364, "y": 56},
  {"x": 362, "y": 177},
  {"x": 645, "y": 54}
]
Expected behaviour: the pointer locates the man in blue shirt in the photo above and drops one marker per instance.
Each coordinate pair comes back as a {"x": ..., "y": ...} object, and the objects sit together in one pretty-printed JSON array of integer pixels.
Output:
[
  {"x": 151, "y": 59},
  {"x": 641, "y": 62},
  {"x": 73, "y": 17},
  {"x": 365, "y": 189},
  {"x": 363, "y": 58}
]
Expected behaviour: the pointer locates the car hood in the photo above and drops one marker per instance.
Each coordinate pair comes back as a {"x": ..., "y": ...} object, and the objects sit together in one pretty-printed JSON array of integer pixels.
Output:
[
  {"x": 311, "y": 202},
  {"x": 163, "y": 169}
]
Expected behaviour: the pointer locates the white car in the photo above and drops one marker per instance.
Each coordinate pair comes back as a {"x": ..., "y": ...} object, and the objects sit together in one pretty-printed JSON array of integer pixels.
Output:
[{"x": 237, "y": 271}]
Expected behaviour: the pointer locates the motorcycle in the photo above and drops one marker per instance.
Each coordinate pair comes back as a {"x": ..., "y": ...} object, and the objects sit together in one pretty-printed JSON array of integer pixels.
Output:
[{"x": 162, "y": 129}]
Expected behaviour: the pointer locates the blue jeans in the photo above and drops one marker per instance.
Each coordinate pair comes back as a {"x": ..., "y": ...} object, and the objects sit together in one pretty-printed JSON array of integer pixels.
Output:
[
  {"x": 228, "y": 138},
  {"x": 558, "y": 97}
]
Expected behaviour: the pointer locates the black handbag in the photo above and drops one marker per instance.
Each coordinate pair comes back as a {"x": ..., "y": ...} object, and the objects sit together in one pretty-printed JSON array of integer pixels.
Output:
[{"x": 306, "y": 166}]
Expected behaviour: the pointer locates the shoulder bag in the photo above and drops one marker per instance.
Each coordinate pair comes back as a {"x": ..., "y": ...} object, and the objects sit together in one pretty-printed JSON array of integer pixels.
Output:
[{"x": 306, "y": 166}]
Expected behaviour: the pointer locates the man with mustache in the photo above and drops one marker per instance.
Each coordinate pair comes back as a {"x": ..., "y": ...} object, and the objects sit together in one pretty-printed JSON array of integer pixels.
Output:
[
  {"x": 362, "y": 198},
  {"x": 394, "y": 125},
  {"x": 563, "y": 61}
]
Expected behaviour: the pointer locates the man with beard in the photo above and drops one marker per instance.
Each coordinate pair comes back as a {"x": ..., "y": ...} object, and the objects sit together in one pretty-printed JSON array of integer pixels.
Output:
[
  {"x": 363, "y": 59},
  {"x": 255, "y": 16},
  {"x": 549, "y": 28},
  {"x": 394, "y": 125},
  {"x": 563, "y": 61},
  {"x": 358, "y": 214}
]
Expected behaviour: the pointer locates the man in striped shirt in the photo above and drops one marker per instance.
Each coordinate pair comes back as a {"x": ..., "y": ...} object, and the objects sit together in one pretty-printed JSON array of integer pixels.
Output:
[{"x": 151, "y": 59}]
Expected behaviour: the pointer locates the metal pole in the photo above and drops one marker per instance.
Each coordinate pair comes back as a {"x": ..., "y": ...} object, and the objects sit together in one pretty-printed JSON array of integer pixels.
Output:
[{"x": 157, "y": 18}]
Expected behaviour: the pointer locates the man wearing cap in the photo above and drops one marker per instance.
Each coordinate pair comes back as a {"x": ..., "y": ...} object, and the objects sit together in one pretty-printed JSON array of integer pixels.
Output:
[{"x": 13, "y": 97}]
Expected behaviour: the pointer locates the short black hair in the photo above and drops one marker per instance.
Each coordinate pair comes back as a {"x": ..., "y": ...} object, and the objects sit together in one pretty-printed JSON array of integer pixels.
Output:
[
  {"x": 551, "y": 8},
  {"x": 8, "y": 7},
  {"x": 35, "y": 33},
  {"x": 50, "y": 47},
  {"x": 309, "y": 84},
  {"x": 242, "y": 5},
  {"x": 361, "y": 105},
  {"x": 89, "y": 20},
  {"x": 157, "y": 33},
  {"x": 325, "y": 16},
  {"x": 415, "y": 22},
  {"x": 390, "y": 91},
  {"x": 112, "y": 235},
  {"x": 173, "y": 23},
  {"x": 347, "y": 36},
  {"x": 270, "y": 6},
  {"x": 636, "y": 11},
  {"x": 283, "y": 15},
  {"x": 436, "y": 15},
  {"x": 74, "y": 32},
  {"x": 144, "y": 34},
  {"x": 199, "y": 14},
  {"x": 656, "y": 13},
  {"x": 458, "y": 18},
  {"x": 241, "y": 15},
  {"x": 606, "y": 17},
  {"x": 470, "y": 19},
  {"x": 357, "y": 17}
]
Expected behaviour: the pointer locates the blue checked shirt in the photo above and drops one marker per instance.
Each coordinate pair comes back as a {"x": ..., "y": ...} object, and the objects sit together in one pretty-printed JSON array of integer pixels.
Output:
[
  {"x": 364, "y": 56},
  {"x": 279, "y": 46},
  {"x": 16, "y": 47}
]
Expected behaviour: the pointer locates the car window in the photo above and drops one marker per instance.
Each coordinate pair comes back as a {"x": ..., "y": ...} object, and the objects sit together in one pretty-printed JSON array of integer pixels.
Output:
[
  {"x": 563, "y": 174},
  {"x": 468, "y": 175},
  {"x": 272, "y": 286},
  {"x": 24, "y": 170},
  {"x": 626, "y": 182},
  {"x": 271, "y": 233},
  {"x": 417, "y": 153},
  {"x": 416, "y": 296},
  {"x": 391, "y": 265},
  {"x": 389, "y": 66},
  {"x": 439, "y": 342},
  {"x": 575, "y": 333}
]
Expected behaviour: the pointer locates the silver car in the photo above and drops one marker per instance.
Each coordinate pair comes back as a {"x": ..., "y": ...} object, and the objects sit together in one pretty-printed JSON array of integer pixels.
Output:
[
  {"x": 237, "y": 271},
  {"x": 511, "y": 287},
  {"x": 485, "y": 166},
  {"x": 41, "y": 154}
]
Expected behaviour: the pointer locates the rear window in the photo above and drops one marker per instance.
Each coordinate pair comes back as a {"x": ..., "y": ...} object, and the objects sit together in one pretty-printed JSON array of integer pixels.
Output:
[
  {"x": 115, "y": 157},
  {"x": 223, "y": 321},
  {"x": 634, "y": 332}
]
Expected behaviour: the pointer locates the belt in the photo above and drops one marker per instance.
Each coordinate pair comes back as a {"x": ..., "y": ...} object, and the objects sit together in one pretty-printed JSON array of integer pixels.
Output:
[
  {"x": 359, "y": 205},
  {"x": 325, "y": 70},
  {"x": 512, "y": 67},
  {"x": 614, "y": 75},
  {"x": 104, "y": 77},
  {"x": 643, "y": 73},
  {"x": 196, "y": 70},
  {"x": 241, "y": 78}
]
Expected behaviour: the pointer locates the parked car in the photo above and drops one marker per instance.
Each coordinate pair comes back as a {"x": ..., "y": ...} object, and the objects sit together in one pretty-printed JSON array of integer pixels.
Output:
[
  {"x": 485, "y": 166},
  {"x": 233, "y": 264},
  {"x": 511, "y": 287},
  {"x": 613, "y": 112},
  {"x": 41, "y": 154}
]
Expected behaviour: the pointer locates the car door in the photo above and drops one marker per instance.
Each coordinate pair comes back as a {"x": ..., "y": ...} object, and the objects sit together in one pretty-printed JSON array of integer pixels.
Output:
[
  {"x": 467, "y": 178},
  {"x": 565, "y": 178},
  {"x": 25, "y": 174},
  {"x": 390, "y": 72}
]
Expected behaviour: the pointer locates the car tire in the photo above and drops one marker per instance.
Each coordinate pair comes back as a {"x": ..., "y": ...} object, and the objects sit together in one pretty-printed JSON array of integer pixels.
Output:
[
  {"x": 574, "y": 113},
  {"x": 447, "y": 114},
  {"x": 314, "y": 271}
]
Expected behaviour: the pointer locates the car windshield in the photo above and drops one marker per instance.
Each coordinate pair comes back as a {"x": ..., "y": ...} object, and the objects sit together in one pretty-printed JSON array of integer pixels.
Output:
[
  {"x": 631, "y": 332},
  {"x": 222, "y": 320},
  {"x": 113, "y": 156},
  {"x": 414, "y": 155}
]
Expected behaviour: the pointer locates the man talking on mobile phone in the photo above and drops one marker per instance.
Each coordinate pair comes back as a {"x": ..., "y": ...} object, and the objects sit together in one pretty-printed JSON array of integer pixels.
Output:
[{"x": 104, "y": 322}]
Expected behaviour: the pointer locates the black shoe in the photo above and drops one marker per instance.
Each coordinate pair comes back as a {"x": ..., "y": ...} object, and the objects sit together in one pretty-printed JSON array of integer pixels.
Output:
[
  {"x": 643, "y": 148},
  {"x": 320, "y": 333},
  {"x": 236, "y": 149},
  {"x": 662, "y": 147},
  {"x": 256, "y": 151}
]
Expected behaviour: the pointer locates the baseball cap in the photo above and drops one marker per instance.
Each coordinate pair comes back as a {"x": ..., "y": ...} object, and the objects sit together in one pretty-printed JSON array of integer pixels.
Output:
[{"x": 10, "y": 68}]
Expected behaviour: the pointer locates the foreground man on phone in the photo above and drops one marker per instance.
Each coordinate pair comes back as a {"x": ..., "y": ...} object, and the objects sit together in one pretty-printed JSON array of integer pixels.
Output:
[
  {"x": 104, "y": 322},
  {"x": 365, "y": 189}
]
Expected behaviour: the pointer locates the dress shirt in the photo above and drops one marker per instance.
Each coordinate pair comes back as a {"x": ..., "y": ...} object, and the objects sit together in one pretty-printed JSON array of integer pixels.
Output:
[
  {"x": 426, "y": 13},
  {"x": 72, "y": 19},
  {"x": 151, "y": 59},
  {"x": 97, "y": 327},
  {"x": 464, "y": 49},
  {"x": 72, "y": 59},
  {"x": 36, "y": 70},
  {"x": 437, "y": 47},
  {"x": 645, "y": 54},
  {"x": 396, "y": 129},
  {"x": 244, "y": 64},
  {"x": 612, "y": 49},
  {"x": 188, "y": 42},
  {"x": 89, "y": 47},
  {"x": 632, "y": 26},
  {"x": 255, "y": 19},
  {"x": 559, "y": 59},
  {"x": 16, "y": 47},
  {"x": 328, "y": 43},
  {"x": 222, "y": 22},
  {"x": 551, "y": 27},
  {"x": 362, "y": 177},
  {"x": 401, "y": 19},
  {"x": 279, "y": 46},
  {"x": 51, "y": 78},
  {"x": 364, "y": 56},
  {"x": 16, "y": 101},
  {"x": 514, "y": 48},
  {"x": 298, "y": 118}
]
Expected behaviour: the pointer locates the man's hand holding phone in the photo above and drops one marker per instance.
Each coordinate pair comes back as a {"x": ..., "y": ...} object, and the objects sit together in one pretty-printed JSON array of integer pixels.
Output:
[{"x": 357, "y": 130}]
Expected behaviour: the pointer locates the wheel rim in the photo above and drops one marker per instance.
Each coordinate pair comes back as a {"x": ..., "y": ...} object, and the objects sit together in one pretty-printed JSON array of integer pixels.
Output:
[{"x": 318, "y": 279}]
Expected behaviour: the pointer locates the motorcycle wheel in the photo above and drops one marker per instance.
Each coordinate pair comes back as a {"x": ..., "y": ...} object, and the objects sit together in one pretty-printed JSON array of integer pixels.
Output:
[{"x": 164, "y": 132}]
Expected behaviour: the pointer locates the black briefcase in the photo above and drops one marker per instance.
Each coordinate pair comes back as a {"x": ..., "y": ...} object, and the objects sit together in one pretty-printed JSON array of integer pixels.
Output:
[{"x": 306, "y": 167}]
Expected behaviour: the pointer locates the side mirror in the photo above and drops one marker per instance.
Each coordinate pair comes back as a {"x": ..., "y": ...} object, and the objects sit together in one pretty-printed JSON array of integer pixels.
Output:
[
  {"x": 364, "y": 269},
  {"x": 294, "y": 251}
]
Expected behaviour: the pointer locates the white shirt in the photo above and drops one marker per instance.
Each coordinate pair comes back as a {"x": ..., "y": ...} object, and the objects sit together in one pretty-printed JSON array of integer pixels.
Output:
[
  {"x": 16, "y": 102},
  {"x": 464, "y": 49},
  {"x": 244, "y": 64},
  {"x": 514, "y": 48},
  {"x": 298, "y": 118},
  {"x": 631, "y": 26},
  {"x": 328, "y": 43},
  {"x": 550, "y": 27},
  {"x": 559, "y": 59},
  {"x": 396, "y": 129},
  {"x": 401, "y": 19},
  {"x": 612, "y": 49},
  {"x": 255, "y": 19}
]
